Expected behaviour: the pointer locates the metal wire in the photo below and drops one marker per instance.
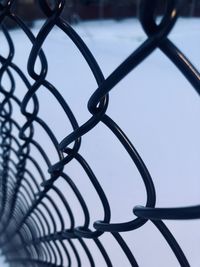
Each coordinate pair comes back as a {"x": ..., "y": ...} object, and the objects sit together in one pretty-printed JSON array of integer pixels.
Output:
[{"x": 29, "y": 233}]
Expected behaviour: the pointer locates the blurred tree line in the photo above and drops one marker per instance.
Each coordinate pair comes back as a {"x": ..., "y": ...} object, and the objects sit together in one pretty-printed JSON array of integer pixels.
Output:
[{"x": 76, "y": 10}]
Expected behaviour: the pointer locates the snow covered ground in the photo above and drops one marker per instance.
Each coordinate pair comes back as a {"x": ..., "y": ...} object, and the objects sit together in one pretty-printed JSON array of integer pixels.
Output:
[
  {"x": 2, "y": 262},
  {"x": 158, "y": 110}
]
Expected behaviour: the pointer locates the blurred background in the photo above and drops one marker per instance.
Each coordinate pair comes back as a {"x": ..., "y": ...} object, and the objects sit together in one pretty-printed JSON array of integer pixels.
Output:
[{"x": 77, "y": 10}]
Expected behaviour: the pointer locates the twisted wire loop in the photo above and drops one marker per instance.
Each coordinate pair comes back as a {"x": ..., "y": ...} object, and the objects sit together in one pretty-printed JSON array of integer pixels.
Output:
[{"x": 29, "y": 232}]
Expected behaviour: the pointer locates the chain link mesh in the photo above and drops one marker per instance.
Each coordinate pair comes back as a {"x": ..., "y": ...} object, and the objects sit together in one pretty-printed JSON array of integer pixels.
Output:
[{"x": 29, "y": 232}]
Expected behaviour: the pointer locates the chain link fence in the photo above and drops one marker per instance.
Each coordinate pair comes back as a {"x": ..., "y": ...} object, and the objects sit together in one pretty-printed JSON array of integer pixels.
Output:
[{"x": 33, "y": 229}]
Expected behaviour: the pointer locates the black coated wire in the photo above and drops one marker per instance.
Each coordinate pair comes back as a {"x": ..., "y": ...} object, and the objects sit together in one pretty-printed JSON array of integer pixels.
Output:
[{"x": 29, "y": 234}]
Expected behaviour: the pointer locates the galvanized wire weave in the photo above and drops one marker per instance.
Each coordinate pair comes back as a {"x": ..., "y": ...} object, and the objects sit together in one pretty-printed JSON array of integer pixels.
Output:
[{"x": 29, "y": 234}]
